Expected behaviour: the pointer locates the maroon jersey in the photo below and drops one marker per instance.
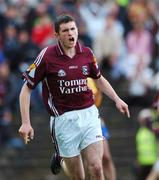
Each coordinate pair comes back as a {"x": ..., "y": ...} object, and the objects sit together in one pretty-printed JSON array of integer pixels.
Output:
[{"x": 64, "y": 79}]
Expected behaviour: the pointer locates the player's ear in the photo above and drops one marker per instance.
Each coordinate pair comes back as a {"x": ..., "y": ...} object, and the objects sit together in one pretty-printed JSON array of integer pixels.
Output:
[{"x": 56, "y": 34}]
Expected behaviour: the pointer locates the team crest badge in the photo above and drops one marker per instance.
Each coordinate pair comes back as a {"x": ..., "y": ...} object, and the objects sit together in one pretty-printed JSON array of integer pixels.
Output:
[
  {"x": 85, "y": 70},
  {"x": 61, "y": 73}
]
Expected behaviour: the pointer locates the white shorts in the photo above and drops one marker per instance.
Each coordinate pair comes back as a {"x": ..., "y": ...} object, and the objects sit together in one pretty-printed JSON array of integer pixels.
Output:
[{"x": 75, "y": 130}]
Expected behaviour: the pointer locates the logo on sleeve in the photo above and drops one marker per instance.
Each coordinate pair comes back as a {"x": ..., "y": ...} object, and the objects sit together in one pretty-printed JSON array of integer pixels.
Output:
[
  {"x": 85, "y": 70},
  {"x": 31, "y": 70},
  {"x": 61, "y": 73}
]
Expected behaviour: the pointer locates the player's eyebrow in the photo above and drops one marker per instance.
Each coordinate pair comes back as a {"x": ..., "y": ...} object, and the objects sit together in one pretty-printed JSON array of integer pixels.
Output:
[{"x": 67, "y": 29}]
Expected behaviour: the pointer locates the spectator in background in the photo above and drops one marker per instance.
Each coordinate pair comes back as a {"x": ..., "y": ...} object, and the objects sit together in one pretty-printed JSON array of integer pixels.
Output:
[
  {"x": 11, "y": 15},
  {"x": 123, "y": 15},
  {"x": 146, "y": 144},
  {"x": 122, "y": 4},
  {"x": 93, "y": 13},
  {"x": 140, "y": 85},
  {"x": 154, "y": 174},
  {"x": 50, "y": 5},
  {"x": 139, "y": 47},
  {"x": 139, "y": 42},
  {"x": 42, "y": 32},
  {"x": 152, "y": 24},
  {"x": 84, "y": 37},
  {"x": 5, "y": 111},
  {"x": 27, "y": 49},
  {"x": 24, "y": 9},
  {"x": 137, "y": 63},
  {"x": 3, "y": 8},
  {"x": 8, "y": 94},
  {"x": 71, "y": 7},
  {"x": 108, "y": 45},
  {"x": 137, "y": 10},
  {"x": 10, "y": 47}
]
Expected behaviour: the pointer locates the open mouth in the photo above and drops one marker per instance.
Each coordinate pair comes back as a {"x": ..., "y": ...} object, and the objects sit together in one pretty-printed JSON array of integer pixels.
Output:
[{"x": 72, "y": 39}]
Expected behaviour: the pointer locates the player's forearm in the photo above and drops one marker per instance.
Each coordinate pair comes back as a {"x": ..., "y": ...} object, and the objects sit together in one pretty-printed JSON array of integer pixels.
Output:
[
  {"x": 107, "y": 89},
  {"x": 24, "y": 99}
]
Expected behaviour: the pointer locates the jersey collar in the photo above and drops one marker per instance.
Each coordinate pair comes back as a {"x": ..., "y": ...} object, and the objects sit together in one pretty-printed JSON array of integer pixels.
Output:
[{"x": 61, "y": 52}]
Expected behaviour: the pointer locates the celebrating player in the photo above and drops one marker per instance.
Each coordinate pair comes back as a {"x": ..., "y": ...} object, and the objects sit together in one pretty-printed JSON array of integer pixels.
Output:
[{"x": 63, "y": 70}]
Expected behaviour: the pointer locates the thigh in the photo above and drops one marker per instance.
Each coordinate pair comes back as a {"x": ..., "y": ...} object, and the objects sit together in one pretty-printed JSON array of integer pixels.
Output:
[
  {"x": 93, "y": 153},
  {"x": 75, "y": 167}
]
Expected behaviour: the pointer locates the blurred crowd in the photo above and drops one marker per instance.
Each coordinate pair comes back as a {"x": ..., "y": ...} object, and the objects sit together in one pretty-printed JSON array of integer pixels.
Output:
[{"x": 123, "y": 34}]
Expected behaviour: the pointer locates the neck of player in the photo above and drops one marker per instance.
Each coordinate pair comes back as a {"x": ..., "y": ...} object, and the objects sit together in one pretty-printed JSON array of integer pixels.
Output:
[{"x": 70, "y": 52}]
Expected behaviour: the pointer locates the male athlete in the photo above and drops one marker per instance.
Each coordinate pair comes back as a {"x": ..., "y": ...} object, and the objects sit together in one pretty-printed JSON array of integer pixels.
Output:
[{"x": 63, "y": 70}]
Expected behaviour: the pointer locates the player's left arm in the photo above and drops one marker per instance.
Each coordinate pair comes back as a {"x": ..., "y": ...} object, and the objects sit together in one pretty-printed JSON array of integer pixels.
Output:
[{"x": 107, "y": 89}]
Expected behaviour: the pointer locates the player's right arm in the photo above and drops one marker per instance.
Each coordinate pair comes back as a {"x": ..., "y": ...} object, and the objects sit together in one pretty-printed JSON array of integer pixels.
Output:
[
  {"x": 33, "y": 75},
  {"x": 26, "y": 131}
]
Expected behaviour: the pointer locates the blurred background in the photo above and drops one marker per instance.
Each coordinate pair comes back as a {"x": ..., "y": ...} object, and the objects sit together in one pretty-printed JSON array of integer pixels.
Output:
[{"x": 124, "y": 36}]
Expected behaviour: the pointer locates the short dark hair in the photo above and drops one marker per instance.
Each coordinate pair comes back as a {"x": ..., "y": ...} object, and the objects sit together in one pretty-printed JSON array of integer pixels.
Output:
[{"x": 64, "y": 18}]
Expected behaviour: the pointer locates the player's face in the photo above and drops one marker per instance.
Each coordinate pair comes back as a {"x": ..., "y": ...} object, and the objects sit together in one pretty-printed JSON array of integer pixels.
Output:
[{"x": 68, "y": 34}]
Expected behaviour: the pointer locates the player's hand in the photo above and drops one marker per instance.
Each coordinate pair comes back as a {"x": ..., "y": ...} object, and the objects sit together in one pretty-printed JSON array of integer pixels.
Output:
[
  {"x": 122, "y": 107},
  {"x": 26, "y": 132}
]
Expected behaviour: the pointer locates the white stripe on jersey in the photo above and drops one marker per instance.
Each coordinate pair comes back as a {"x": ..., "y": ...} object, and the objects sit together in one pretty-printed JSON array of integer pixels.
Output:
[
  {"x": 40, "y": 56},
  {"x": 80, "y": 48},
  {"x": 50, "y": 102},
  {"x": 60, "y": 49}
]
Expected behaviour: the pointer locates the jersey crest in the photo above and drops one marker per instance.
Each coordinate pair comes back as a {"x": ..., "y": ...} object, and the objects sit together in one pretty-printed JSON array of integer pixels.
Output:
[
  {"x": 61, "y": 73},
  {"x": 85, "y": 70}
]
